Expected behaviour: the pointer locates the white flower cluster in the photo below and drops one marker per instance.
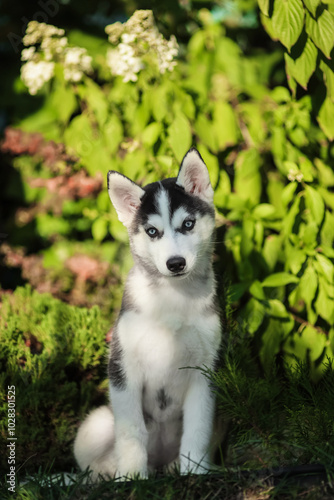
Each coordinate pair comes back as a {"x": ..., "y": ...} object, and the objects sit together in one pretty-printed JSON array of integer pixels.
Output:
[
  {"x": 38, "y": 32},
  {"x": 76, "y": 63},
  {"x": 35, "y": 74},
  {"x": 124, "y": 62},
  {"x": 138, "y": 42},
  {"x": 47, "y": 45},
  {"x": 295, "y": 175}
]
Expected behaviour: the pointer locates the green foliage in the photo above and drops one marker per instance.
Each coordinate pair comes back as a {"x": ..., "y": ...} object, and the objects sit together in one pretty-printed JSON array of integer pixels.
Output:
[
  {"x": 270, "y": 164},
  {"x": 305, "y": 28},
  {"x": 53, "y": 354},
  {"x": 277, "y": 418}
]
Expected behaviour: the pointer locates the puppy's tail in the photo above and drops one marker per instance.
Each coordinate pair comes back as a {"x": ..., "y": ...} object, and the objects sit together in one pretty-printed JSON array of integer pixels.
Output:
[{"x": 93, "y": 445}]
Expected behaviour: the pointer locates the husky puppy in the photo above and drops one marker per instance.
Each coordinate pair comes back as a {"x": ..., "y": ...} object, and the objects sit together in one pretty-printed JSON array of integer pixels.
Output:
[{"x": 161, "y": 408}]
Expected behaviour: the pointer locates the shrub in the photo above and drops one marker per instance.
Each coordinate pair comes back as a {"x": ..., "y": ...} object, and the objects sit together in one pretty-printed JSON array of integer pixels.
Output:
[
  {"x": 269, "y": 162},
  {"x": 53, "y": 354}
]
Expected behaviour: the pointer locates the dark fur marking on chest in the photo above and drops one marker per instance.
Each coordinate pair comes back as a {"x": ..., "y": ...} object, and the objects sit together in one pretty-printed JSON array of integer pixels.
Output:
[
  {"x": 115, "y": 368},
  {"x": 162, "y": 399}
]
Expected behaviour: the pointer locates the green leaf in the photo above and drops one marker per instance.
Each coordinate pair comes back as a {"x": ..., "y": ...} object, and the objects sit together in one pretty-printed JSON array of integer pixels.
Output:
[
  {"x": 237, "y": 290},
  {"x": 290, "y": 218},
  {"x": 112, "y": 133},
  {"x": 315, "y": 204},
  {"x": 99, "y": 229},
  {"x": 280, "y": 95},
  {"x": 295, "y": 260},
  {"x": 325, "y": 118},
  {"x": 166, "y": 162},
  {"x": 312, "y": 5},
  {"x": 187, "y": 104},
  {"x": 258, "y": 235},
  {"x": 278, "y": 143},
  {"x": 268, "y": 26},
  {"x": 247, "y": 182},
  {"x": 308, "y": 234},
  {"x": 140, "y": 116},
  {"x": 117, "y": 230},
  {"x": 225, "y": 125},
  {"x": 331, "y": 338},
  {"x": 264, "y": 211},
  {"x": 325, "y": 172},
  {"x": 301, "y": 65},
  {"x": 272, "y": 339},
  {"x": 308, "y": 345},
  {"x": 288, "y": 193},
  {"x": 313, "y": 341},
  {"x": 159, "y": 99},
  {"x": 179, "y": 136},
  {"x": 308, "y": 285},
  {"x": 134, "y": 164},
  {"x": 279, "y": 279},
  {"x": 276, "y": 309},
  {"x": 47, "y": 225},
  {"x": 271, "y": 248},
  {"x": 151, "y": 133},
  {"x": 264, "y": 6},
  {"x": 254, "y": 313},
  {"x": 64, "y": 102},
  {"x": 321, "y": 31},
  {"x": 79, "y": 135},
  {"x": 256, "y": 290},
  {"x": 204, "y": 130},
  {"x": 97, "y": 159},
  {"x": 288, "y": 21},
  {"x": 96, "y": 100},
  {"x": 222, "y": 190},
  {"x": 247, "y": 244},
  {"x": 324, "y": 305},
  {"x": 327, "y": 234},
  {"x": 252, "y": 115},
  {"x": 45, "y": 119},
  {"x": 327, "y": 268},
  {"x": 327, "y": 67},
  {"x": 307, "y": 169}
]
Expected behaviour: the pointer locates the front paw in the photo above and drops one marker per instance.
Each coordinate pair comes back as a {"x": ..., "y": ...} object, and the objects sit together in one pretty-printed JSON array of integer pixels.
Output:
[{"x": 132, "y": 463}]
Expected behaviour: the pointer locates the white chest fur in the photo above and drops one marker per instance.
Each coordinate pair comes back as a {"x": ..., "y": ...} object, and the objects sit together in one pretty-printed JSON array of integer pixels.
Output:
[{"x": 164, "y": 337}]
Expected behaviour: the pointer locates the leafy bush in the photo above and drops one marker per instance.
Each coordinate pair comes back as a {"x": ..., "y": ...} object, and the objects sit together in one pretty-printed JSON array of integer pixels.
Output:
[
  {"x": 270, "y": 164},
  {"x": 275, "y": 419},
  {"x": 53, "y": 354},
  {"x": 305, "y": 28}
]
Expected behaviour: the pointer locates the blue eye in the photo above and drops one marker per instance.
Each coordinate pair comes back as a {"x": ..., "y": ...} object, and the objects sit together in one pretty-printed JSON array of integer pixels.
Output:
[
  {"x": 152, "y": 232},
  {"x": 188, "y": 224}
]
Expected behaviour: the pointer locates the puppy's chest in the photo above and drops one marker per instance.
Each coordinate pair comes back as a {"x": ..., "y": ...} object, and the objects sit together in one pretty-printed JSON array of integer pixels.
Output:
[{"x": 163, "y": 347}]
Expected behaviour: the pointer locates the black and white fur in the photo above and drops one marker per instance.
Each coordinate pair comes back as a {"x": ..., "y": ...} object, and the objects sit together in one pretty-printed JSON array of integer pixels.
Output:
[{"x": 161, "y": 409}]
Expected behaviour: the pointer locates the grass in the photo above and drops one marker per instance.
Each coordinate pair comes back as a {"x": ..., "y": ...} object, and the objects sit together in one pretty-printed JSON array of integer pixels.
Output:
[
  {"x": 227, "y": 484},
  {"x": 54, "y": 354}
]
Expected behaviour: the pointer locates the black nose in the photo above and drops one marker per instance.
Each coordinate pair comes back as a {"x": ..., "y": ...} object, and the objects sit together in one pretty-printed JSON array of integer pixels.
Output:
[{"x": 176, "y": 264}]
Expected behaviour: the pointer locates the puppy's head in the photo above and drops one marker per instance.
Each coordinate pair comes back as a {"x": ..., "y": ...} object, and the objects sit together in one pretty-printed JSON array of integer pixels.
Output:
[{"x": 171, "y": 222}]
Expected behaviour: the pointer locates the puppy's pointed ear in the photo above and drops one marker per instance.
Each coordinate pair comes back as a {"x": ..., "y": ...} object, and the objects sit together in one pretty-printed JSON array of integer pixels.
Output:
[
  {"x": 125, "y": 195},
  {"x": 194, "y": 177}
]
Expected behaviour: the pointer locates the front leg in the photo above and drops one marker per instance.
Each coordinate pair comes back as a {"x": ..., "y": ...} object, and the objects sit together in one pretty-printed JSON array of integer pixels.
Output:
[
  {"x": 130, "y": 431},
  {"x": 198, "y": 414}
]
